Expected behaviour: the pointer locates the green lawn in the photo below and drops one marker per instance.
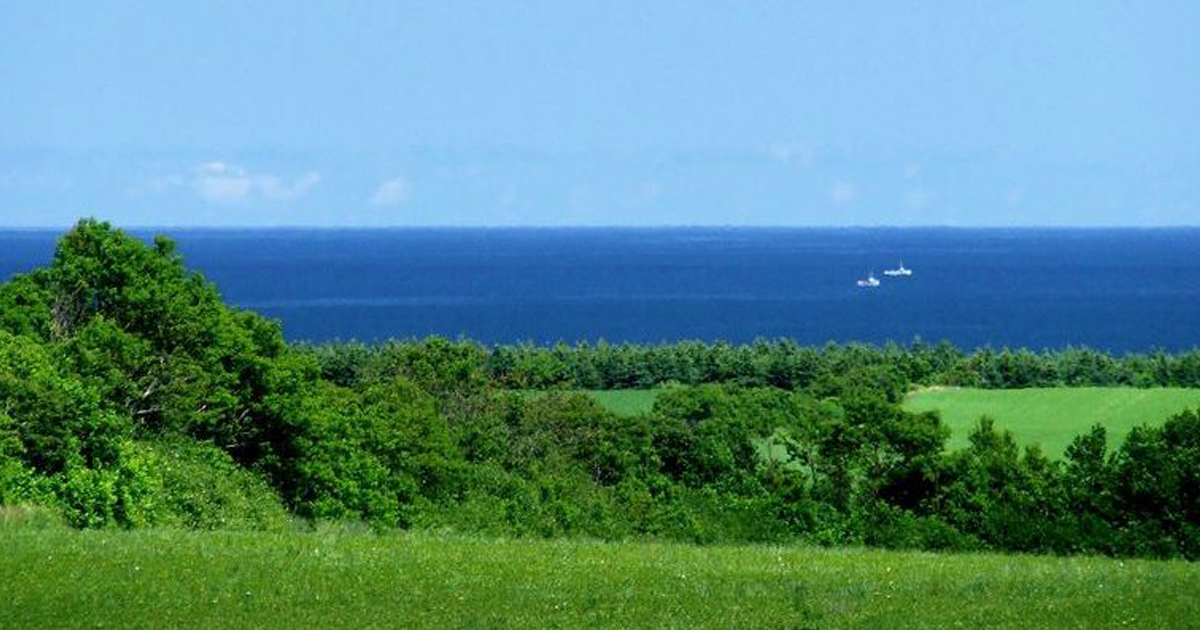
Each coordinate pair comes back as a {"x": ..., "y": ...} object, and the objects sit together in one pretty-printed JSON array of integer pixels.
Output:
[
  {"x": 163, "y": 579},
  {"x": 1053, "y": 417},
  {"x": 625, "y": 402}
]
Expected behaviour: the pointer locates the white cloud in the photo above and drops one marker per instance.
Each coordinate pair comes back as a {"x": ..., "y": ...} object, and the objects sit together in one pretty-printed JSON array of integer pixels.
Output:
[
  {"x": 218, "y": 182},
  {"x": 223, "y": 183},
  {"x": 392, "y": 192},
  {"x": 278, "y": 190},
  {"x": 842, "y": 193}
]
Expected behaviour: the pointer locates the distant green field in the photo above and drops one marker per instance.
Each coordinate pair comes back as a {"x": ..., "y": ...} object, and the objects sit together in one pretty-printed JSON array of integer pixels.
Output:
[
  {"x": 1050, "y": 417},
  {"x": 625, "y": 402},
  {"x": 172, "y": 579},
  {"x": 1053, "y": 417}
]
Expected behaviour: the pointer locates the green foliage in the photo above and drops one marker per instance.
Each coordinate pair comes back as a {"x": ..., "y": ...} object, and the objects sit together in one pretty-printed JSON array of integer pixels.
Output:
[
  {"x": 19, "y": 483},
  {"x": 368, "y": 454},
  {"x": 120, "y": 494},
  {"x": 131, "y": 396},
  {"x": 25, "y": 305},
  {"x": 451, "y": 372},
  {"x": 707, "y": 437},
  {"x": 154, "y": 338},
  {"x": 991, "y": 491},
  {"x": 1155, "y": 482},
  {"x": 60, "y": 422},
  {"x": 198, "y": 486},
  {"x": 115, "y": 340}
]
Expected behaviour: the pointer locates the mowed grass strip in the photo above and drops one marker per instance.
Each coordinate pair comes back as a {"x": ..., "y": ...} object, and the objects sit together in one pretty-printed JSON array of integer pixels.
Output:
[
  {"x": 625, "y": 402},
  {"x": 165, "y": 579},
  {"x": 1052, "y": 417}
]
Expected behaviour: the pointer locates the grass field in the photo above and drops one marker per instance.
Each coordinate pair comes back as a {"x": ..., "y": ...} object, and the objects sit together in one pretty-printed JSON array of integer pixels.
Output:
[
  {"x": 162, "y": 579},
  {"x": 1053, "y": 417},
  {"x": 625, "y": 402}
]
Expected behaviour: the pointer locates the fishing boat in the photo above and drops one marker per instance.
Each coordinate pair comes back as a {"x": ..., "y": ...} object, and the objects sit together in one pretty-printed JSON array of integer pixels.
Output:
[
  {"x": 870, "y": 282},
  {"x": 899, "y": 271}
]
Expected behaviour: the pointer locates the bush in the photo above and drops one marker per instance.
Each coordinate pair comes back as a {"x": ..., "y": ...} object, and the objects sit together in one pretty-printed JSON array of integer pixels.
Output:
[
  {"x": 1156, "y": 488},
  {"x": 199, "y": 486},
  {"x": 59, "y": 421},
  {"x": 131, "y": 396},
  {"x": 20, "y": 485}
]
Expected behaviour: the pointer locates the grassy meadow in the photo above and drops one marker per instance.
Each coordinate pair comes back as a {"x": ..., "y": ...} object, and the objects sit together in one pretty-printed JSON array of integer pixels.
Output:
[
  {"x": 625, "y": 402},
  {"x": 1052, "y": 417},
  {"x": 161, "y": 578}
]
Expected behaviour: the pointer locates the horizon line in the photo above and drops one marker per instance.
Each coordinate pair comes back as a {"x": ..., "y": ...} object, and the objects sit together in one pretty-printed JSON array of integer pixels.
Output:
[{"x": 614, "y": 226}]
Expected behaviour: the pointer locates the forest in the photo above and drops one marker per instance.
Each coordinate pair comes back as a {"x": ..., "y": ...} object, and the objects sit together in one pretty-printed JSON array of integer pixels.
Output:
[{"x": 132, "y": 396}]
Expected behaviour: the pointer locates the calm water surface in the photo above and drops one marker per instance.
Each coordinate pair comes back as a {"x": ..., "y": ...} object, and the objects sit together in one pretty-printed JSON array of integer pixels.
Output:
[{"x": 1113, "y": 289}]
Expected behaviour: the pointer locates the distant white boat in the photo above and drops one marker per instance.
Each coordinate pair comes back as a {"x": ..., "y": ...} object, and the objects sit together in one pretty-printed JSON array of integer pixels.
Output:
[
  {"x": 899, "y": 271},
  {"x": 870, "y": 282}
]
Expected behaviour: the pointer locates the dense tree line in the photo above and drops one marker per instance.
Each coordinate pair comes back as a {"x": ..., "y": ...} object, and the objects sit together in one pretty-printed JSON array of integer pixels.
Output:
[
  {"x": 130, "y": 395},
  {"x": 777, "y": 363}
]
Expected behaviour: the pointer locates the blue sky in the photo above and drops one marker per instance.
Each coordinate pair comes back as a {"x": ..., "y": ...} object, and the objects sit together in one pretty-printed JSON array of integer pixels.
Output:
[{"x": 600, "y": 113}]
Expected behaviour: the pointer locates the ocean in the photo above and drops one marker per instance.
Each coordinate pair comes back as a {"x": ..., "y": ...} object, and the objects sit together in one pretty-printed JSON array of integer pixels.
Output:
[{"x": 1112, "y": 289}]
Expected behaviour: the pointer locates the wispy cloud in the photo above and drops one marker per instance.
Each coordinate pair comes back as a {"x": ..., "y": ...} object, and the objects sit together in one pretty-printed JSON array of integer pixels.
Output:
[
  {"x": 277, "y": 189},
  {"x": 218, "y": 182},
  {"x": 392, "y": 192},
  {"x": 222, "y": 183}
]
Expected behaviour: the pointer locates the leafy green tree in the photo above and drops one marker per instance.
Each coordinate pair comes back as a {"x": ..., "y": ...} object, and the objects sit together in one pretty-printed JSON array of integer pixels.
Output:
[
  {"x": 1088, "y": 479},
  {"x": 25, "y": 305},
  {"x": 60, "y": 422},
  {"x": 154, "y": 338},
  {"x": 379, "y": 454},
  {"x": 1156, "y": 483},
  {"x": 19, "y": 483}
]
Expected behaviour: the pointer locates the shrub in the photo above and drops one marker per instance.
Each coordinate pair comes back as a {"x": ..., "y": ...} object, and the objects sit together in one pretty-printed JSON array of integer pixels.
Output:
[
  {"x": 59, "y": 421},
  {"x": 199, "y": 486}
]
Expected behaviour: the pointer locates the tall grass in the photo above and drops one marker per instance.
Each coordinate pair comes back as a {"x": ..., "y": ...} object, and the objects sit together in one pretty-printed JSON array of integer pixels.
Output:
[{"x": 158, "y": 579}]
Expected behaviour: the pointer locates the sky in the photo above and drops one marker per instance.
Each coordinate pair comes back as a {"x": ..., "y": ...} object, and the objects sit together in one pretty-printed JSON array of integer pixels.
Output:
[{"x": 600, "y": 113}]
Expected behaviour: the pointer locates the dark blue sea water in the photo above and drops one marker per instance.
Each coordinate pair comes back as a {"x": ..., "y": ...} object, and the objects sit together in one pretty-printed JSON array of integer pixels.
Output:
[{"x": 1121, "y": 289}]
